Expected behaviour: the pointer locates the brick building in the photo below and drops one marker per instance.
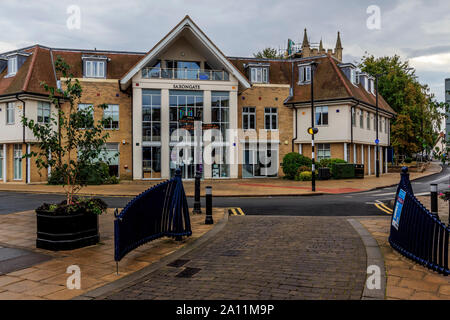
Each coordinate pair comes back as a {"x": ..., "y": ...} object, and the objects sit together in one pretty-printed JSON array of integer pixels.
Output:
[{"x": 261, "y": 107}]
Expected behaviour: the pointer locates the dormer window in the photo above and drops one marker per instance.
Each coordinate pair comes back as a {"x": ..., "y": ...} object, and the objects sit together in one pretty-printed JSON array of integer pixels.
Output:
[
  {"x": 94, "y": 66},
  {"x": 350, "y": 72},
  {"x": 353, "y": 76},
  {"x": 12, "y": 66},
  {"x": 304, "y": 74},
  {"x": 259, "y": 74}
]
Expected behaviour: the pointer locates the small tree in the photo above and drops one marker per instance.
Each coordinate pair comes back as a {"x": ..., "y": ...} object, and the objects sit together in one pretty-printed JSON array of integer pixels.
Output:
[
  {"x": 77, "y": 142},
  {"x": 268, "y": 53}
]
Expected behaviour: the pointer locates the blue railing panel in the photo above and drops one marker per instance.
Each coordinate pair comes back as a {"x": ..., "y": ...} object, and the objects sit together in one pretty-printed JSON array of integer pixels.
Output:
[
  {"x": 159, "y": 211},
  {"x": 417, "y": 233}
]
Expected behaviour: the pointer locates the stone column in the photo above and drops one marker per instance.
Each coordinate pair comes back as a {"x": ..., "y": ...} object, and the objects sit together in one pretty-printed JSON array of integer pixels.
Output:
[
  {"x": 165, "y": 138},
  {"x": 137, "y": 133}
]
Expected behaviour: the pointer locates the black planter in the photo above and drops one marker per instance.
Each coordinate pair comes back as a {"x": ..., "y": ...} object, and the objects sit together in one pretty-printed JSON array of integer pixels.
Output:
[{"x": 66, "y": 232}]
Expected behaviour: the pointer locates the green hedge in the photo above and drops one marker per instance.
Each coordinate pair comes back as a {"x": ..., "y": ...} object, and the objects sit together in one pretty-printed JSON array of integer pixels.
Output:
[
  {"x": 304, "y": 176},
  {"x": 343, "y": 170}
]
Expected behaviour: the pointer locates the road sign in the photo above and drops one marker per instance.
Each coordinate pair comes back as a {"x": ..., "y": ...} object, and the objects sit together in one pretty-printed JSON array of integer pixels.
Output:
[{"x": 377, "y": 141}]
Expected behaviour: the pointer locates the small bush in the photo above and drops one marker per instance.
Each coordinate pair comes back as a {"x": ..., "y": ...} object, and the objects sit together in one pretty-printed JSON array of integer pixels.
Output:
[
  {"x": 93, "y": 174},
  {"x": 328, "y": 163},
  {"x": 304, "y": 176},
  {"x": 304, "y": 168},
  {"x": 292, "y": 161},
  {"x": 408, "y": 160}
]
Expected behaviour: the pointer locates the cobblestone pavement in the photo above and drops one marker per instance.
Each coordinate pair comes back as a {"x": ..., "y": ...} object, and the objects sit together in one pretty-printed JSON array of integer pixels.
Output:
[{"x": 264, "y": 258}]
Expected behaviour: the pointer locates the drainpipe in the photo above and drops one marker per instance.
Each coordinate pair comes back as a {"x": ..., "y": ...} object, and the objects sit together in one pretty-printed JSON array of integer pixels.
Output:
[
  {"x": 23, "y": 136},
  {"x": 291, "y": 94}
]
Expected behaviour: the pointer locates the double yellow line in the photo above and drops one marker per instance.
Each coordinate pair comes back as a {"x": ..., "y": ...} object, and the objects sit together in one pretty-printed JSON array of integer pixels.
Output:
[
  {"x": 236, "y": 212},
  {"x": 380, "y": 205}
]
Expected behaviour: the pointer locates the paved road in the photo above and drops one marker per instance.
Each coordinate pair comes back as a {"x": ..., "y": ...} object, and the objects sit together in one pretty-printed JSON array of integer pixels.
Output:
[
  {"x": 262, "y": 257},
  {"x": 352, "y": 204}
]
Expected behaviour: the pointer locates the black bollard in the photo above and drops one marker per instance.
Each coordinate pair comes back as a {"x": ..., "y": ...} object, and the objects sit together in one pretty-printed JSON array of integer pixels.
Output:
[
  {"x": 434, "y": 198},
  {"x": 209, "y": 218},
  {"x": 197, "y": 205}
]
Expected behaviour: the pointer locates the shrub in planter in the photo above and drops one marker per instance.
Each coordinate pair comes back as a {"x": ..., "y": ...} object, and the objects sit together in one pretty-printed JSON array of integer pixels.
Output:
[
  {"x": 69, "y": 226},
  {"x": 408, "y": 160},
  {"x": 343, "y": 170},
  {"x": 292, "y": 161},
  {"x": 327, "y": 163},
  {"x": 72, "y": 152}
]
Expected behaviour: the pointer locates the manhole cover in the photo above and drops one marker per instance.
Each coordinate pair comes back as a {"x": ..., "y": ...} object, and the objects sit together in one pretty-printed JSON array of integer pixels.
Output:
[
  {"x": 178, "y": 263},
  {"x": 188, "y": 272}
]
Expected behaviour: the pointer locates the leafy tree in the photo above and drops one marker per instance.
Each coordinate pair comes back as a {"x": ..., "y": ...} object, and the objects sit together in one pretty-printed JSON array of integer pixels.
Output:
[
  {"x": 268, "y": 53},
  {"x": 419, "y": 115},
  {"x": 77, "y": 143}
]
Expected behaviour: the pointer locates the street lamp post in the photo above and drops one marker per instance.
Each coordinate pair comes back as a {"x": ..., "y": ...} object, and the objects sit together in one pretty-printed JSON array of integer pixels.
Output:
[
  {"x": 377, "y": 141},
  {"x": 313, "y": 177}
]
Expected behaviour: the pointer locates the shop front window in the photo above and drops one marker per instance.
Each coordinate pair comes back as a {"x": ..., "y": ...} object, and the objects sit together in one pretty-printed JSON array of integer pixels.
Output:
[{"x": 151, "y": 162}]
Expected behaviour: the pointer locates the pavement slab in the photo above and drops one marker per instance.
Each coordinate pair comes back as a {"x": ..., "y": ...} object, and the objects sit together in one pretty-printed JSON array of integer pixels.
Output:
[{"x": 263, "y": 258}]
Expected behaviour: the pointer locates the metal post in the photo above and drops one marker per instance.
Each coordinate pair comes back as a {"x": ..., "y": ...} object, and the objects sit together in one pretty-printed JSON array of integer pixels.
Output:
[
  {"x": 209, "y": 218},
  {"x": 377, "y": 151},
  {"x": 313, "y": 169},
  {"x": 197, "y": 205},
  {"x": 434, "y": 198}
]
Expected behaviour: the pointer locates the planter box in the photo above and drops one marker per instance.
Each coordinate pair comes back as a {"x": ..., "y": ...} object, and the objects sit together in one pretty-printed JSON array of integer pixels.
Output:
[{"x": 68, "y": 232}]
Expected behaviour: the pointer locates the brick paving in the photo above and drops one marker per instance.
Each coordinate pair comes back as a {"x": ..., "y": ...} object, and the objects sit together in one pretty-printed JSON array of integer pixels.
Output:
[
  {"x": 47, "y": 280},
  {"x": 406, "y": 280},
  {"x": 265, "y": 258}
]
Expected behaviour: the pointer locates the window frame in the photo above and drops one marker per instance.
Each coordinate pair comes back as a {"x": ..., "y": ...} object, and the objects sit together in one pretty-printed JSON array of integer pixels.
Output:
[
  {"x": 98, "y": 73},
  {"x": 268, "y": 112},
  {"x": 321, "y": 112},
  {"x": 111, "y": 127},
  {"x": 259, "y": 72},
  {"x": 17, "y": 156},
  {"x": 12, "y": 66},
  {"x": 361, "y": 119},
  {"x": 248, "y": 112},
  {"x": 304, "y": 74},
  {"x": 368, "y": 121},
  {"x": 41, "y": 108},
  {"x": 10, "y": 107},
  {"x": 321, "y": 149}
]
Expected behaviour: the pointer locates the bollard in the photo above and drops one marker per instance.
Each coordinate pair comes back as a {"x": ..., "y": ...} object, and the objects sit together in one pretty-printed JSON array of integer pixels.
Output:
[
  {"x": 197, "y": 205},
  {"x": 434, "y": 198},
  {"x": 209, "y": 218}
]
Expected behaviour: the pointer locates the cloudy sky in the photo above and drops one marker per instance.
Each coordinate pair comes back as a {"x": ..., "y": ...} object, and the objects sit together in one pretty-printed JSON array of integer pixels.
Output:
[{"x": 417, "y": 30}]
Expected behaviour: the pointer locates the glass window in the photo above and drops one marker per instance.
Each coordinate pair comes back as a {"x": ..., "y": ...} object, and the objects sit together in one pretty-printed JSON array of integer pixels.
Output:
[
  {"x": 323, "y": 151},
  {"x": 259, "y": 74},
  {"x": 304, "y": 74},
  {"x": 17, "y": 162},
  {"x": 248, "y": 118},
  {"x": 94, "y": 69},
  {"x": 386, "y": 125},
  {"x": 353, "y": 117},
  {"x": 12, "y": 66},
  {"x": 368, "y": 120},
  {"x": 184, "y": 104},
  {"x": 90, "y": 108},
  {"x": 151, "y": 162},
  {"x": 220, "y": 106},
  {"x": 270, "y": 118},
  {"x": 151, "y": 115},
  {"x": 43, "y": 112},
  {"x": 10, "y": 113},
  {"x": 110, "y": 155},
  {"x": 361, "y": 119},
  {"x": 111, "y": 115},
  {"x": 374, "y": 123},
  {"x": 321, "y": 116}
]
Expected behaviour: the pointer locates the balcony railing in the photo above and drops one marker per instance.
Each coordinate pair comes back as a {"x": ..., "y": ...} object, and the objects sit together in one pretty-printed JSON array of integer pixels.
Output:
[{"x": 185, "y": 74}]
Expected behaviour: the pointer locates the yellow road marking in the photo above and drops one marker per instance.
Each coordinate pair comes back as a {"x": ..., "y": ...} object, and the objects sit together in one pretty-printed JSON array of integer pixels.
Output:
[
  {"x": 386, "y": 207},
  {"x": 236, "y": 212},
  {"x": 382, "y": 208}
]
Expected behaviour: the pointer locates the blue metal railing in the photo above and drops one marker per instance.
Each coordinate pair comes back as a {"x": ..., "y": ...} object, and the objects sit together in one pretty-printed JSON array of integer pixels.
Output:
[
  {"x": 159, "y": 211},
  {"x": 417, "y": 233}
]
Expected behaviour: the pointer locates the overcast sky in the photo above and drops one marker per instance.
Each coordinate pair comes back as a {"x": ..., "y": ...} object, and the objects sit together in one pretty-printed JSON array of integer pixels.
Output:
[{"x": 418, "y": 30}]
